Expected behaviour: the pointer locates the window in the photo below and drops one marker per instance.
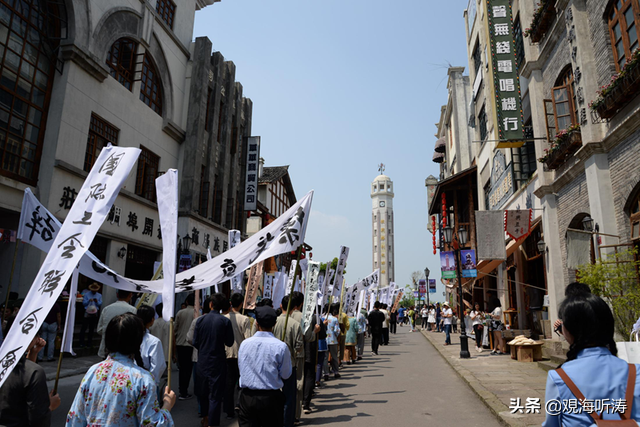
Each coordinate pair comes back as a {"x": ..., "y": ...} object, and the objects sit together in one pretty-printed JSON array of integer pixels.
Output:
[
  {"x": 167, "y": 10},
  {"x": 150, "y": 86},
  {"x": 482, "y": 124},
  {"x": 148, "y": 164},
  {"x": 234, "y": 136},
  {"x": 100, "y": 133},
  {"x": 564, "y": 101},
  {"x": 550, "y": 118},
  {"x": 217, "y": 200},
  {"x": 519, "y": 42},
  {"x": 27, "y": 45},
  {"x": 477, "y": 58},
  {"x": 524, "y": 162},
  {"x": 623, "y": 29},
  {"x": 121, "y": 61}
]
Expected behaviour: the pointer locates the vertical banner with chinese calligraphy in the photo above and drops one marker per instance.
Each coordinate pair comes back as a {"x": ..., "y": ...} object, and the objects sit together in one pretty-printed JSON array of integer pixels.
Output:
[
  {"x": 253, "y": 285},
  {"x": 326, "y": 291},
  {"x": 310, "y": 295},
  {"x": 167, "y": 191},
  {"x": 342, "y": 263},
  {"x": 279, "y": 287},
  {"x": 397, "y": 302},
  {"x": 267, "y": 287},
  {"x": 83, "y": 221},
  {"x": 291, "y": 277},
  {"x": 251, "y": 182},
  {"x": 234, "y": 240},
  {"x": 508, "y": 103}
]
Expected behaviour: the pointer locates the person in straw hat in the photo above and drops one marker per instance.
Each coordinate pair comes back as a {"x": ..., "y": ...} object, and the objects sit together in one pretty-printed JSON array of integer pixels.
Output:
[
  {"x": 92, "y": 302},
  {"x": 447, "y": 315}
]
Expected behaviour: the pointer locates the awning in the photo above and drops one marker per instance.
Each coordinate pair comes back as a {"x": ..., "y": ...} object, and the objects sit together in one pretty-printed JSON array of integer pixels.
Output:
[
  {"x": 487, "y": 266},
  {"x": 438, "y": 157},
  {"x": 441, "y": 146},
  {"x": 446, "y": 184}
]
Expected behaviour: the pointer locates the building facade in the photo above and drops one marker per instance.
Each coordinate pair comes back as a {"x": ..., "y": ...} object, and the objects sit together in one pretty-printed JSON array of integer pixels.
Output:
[
  {"x": 382, "y": 234},
  {"x": 85, "y": 73}
]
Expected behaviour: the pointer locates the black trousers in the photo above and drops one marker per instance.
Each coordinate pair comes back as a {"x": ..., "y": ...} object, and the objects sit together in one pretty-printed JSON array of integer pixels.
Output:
[
  {"x": 232, "y": 387},
  {"x": 385, "y": 336},
  {"x": 260, "y": 408},
  {"x": 309, "y": 383},
  {"x": 375, "y": 340},
  {"x": 393, "y": 327},
  {"x": 89, "y": 323},
  {"x": 184, "y": 353},
  {"x": 478, "y": 332}
]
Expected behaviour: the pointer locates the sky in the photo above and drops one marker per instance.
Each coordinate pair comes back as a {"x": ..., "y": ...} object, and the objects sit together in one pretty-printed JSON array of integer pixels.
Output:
[{"x": 338, "y": 87}]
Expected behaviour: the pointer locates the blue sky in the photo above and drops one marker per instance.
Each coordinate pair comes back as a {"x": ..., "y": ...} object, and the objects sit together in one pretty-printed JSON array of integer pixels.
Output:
[{"x": 339, "y": 86}]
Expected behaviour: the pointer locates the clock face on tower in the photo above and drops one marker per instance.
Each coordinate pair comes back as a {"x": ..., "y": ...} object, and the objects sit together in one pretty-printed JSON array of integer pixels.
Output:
[{"x": 382, "y": 204}]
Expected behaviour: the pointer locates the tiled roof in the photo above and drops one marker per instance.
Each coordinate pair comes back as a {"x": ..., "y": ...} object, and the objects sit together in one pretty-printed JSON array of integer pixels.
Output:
[{"x": 273, "y": 173}]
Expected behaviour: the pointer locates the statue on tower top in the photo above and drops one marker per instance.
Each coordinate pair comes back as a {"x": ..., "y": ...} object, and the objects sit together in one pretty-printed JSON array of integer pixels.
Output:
[{"x": 381, "y": 168}]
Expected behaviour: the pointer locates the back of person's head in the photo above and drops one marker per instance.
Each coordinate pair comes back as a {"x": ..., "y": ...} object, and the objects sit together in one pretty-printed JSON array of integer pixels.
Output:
[
  {"x": 265, "y": 302},
  {"x": 159, "y": 308},
  {"x": 590, "y": 321},
  {"x": 577, "y": 288},
  {"x": 146, "y": 313},
  {"x": 191, "y": 299},
  {"x": 334, "y": 309},
  {"x": 285, "y": 302},
  {"x": 219, "y": 302},
  {"x": 297, "y": 299},
  {"x": 278, "y": 311},
  {"x": 496, "y": 302},
  {"x": 124, "y": 335},
  {"x": 237, "y": 300},
  {"x": 122, "y": 294},
  {"x": 206, "y": 305},
  {"x": 376, "y": 305}
]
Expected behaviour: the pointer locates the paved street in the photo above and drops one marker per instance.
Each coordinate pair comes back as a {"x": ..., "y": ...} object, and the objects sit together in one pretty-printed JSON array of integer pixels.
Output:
[{"x": 409, "y": 382}]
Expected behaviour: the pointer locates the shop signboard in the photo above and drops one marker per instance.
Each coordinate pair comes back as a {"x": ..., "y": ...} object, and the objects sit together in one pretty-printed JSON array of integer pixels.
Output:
[
  {"x": 502, "y": 182},
  {"x": 252, "y": 175},
  {"x": 422, "y": 285}
]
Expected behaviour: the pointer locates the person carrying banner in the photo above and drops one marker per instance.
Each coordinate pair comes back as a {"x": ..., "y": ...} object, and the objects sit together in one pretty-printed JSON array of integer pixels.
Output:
[
  {"x": 385, "y": 324},
  {"x": 184, "y": 350},
  {"x": 241, "y": 331},
  {"x": 212, "y": 334},
  {"x": 333, "y": 333},
  {"x": 351, "y": 341},
  {"x": 310, "y": 351},
  {"x": 160, "y": 330},
  {"x": 24, "y": 398},
  {"x": 265, "y": 363},
  {"x": 111, "y": 311},
  {"x": 117, "y": 381},
  {"x": 92, "y": 302},
  {"x": 297, "y": 300}
]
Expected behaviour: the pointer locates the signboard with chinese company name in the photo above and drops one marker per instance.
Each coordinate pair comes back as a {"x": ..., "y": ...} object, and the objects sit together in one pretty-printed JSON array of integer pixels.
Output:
[
  {"x": 251, "y": 183},
  {"x": 508, "y": 103},
  {"x": 502, "y": 182}
]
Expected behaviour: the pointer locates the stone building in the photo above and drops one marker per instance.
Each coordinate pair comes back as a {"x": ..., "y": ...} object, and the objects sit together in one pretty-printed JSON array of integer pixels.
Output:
[
  {"x": 382, "y": 226},
  {"x": 81, "y": 73}
]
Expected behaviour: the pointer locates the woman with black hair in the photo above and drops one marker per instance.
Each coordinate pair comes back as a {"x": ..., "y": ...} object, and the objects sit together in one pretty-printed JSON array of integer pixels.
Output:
[
  {"x": 592, "y": 370},
  {"x": 116, "y": 391}
]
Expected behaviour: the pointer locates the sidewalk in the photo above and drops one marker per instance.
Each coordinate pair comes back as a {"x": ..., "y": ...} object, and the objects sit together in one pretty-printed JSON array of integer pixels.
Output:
[
  {"x": 70, "y": 366},
  {"x": 496, "y": 379}
]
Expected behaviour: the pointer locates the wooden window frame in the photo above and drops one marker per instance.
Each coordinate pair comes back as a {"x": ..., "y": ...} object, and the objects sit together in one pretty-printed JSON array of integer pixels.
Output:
[
  {"x": 567, "y": 82},
  {"x": 203, "y": 200},
  {"x": 482, "y": 124},
  {"x": 148, "y": 167},
  {"x": 101, "y": 132},
  {"x": 167, "y": 11},
  {"x": 550, "y": 116},
  {"x": 151, "y": 85},
  {"x": 614, "y": 16},
  {"x": 125, "y": 76}
]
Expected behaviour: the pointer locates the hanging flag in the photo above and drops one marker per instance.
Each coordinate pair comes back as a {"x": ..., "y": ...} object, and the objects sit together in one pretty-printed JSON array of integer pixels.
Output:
[
  {"x": 490, "y": 235},
  {"x": 236, "y": 281},
  {"x": 517, "y": 224},
  {"x": 73, "y": 239},
  {"x": 267, "y": 291},
  {"x": 167, "y": 194},
  {"x": 253, "y": 286},
  {"x": 448, "y": 264},
  {"x": 70, "y": 319},
  {"x": 342, "y": 263},
  {"x": 397, "y": 302},
  {"x": 310, "y": 296},
  {"x": 326, "y": 292}
]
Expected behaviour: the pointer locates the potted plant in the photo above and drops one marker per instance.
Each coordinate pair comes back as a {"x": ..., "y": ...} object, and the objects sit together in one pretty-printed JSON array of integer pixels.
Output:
[
  {"x": 542, "y": 19},
  {"x": 622, "y": 88}
]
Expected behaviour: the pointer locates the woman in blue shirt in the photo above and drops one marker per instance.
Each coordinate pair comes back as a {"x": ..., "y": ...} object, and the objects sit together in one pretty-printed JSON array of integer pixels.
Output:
[{"x": 592, "y": 366}]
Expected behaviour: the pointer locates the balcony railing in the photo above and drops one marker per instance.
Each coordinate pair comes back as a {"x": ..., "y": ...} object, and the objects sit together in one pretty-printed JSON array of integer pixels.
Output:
[
  {"x": 563, "y": 149},
  {"x": 542, "y": 20}
]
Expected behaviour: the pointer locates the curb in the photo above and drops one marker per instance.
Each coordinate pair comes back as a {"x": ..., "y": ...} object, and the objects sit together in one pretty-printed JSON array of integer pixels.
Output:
[
  {"x": 66, "y": 373},
  {"x": 491, "y": 401}
]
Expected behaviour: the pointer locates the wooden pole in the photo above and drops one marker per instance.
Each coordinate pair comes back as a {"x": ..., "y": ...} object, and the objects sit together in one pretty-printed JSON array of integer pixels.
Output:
[
  {"x": 13, "y": 266},
  {"x": 293, "y": 286},
  {"x": 55, "y": 384},
  {"x": 170, "y": 354}
]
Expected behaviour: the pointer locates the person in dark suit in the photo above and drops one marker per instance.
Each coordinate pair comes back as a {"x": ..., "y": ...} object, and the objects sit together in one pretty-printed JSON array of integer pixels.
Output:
[{"x": 212, "y": 333}]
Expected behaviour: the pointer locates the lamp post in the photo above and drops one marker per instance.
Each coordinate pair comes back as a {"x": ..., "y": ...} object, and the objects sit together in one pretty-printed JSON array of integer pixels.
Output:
[
  {"x": 588, "y": 224},
  {"x": 461, "y": 241},
  {"x": 426, "y": 275}
]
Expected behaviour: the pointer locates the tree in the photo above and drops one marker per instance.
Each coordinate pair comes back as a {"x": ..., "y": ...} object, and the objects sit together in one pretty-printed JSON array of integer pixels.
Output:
[{"x": 615, "y": 278}]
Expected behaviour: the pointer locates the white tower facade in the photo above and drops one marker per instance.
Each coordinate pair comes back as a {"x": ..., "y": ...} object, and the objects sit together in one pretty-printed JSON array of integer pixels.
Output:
[{"x": 382, "y": 228}]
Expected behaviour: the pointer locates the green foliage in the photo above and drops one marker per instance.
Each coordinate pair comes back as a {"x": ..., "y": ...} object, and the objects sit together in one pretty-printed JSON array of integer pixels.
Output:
[
  {"x": 615, "y": 279},
  {"x": 334, "y": 264},
  {"x": 407, "y": 301}
]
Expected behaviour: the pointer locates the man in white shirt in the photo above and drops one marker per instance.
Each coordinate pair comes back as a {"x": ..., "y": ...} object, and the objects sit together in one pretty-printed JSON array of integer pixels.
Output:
[
  {"x": 385, "y": 325},
  {"x": 160, "y": 329},
  {"x": 109, "y": 312},
  {"x": 447, "y": 315}
]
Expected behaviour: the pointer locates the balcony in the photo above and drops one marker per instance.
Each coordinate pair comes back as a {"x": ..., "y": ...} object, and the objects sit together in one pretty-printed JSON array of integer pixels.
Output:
[
  {"x": 623, "y": 88},
  {"x": 541, "y": 22},
  {"x": 567, "y": 142}
]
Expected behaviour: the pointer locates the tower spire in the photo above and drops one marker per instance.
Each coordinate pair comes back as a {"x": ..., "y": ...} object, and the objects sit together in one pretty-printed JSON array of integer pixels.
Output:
[{"x": 381, "y": 168}]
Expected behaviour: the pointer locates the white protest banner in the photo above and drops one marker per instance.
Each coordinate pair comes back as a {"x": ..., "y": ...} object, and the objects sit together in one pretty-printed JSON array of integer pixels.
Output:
[
  {"x": 283, "y": 235},
  {"x": 291, "y": 277},
  {"x": 362, "y": 300},
  {"x": 304, "y": 266},
  {"x": 85, "y": 217},
  {"x": 392, "y": 292},
  {"x": 326, "y": 293},
  {"x": 278, "y": 289},
  {"x": 342, "y": 263},
  {"x": 167, "y": 194},
  {"x": 70, "y": 319},
  {"x": 310, "y": 295},
  {"x": 267, "y": 288},
  {"x": 236, "y": 281},
  {"x": 253, "y": 285}
]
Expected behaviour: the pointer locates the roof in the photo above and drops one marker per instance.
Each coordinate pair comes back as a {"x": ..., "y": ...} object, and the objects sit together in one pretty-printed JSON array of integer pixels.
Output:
[
  {"x": 382, "y": 178},
  {"x": 446, "y": 184},
  {"x": 273, "y": 173}
]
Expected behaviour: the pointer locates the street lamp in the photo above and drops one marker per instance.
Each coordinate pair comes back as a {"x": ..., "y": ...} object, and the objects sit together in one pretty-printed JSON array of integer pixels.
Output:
[
  {"x": 541, "y": 246},
  {"x": 462, "y": 237},
  {"x": 587, "y": 223},
  {"x": 426, "y": 276},
  {"x": 186, "y": 243}
]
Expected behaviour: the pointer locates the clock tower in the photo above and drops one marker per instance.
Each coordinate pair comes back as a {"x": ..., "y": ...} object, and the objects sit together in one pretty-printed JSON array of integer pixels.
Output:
[{"x": 382, "y": 227}]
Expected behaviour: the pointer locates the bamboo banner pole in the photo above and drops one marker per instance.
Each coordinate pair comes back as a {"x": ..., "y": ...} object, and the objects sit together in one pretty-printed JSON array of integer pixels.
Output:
[
  {"x": 293, "y": 286},
  {"x": 13, "y": 266},
  {"x": 170, "y": 354},
  {"x": 55, "y": 384}
]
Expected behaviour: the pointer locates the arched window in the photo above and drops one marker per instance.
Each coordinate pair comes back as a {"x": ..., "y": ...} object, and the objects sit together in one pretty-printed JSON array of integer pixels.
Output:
[
  {"x": 623, "y": 29},
  {"x": 564, "y": 101},
  {"x": 634, "y": 216},
  {"x": 151, "y": 87},
  {"x": 121, "y": 61},
  {"x": 27, "y": 50}
]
